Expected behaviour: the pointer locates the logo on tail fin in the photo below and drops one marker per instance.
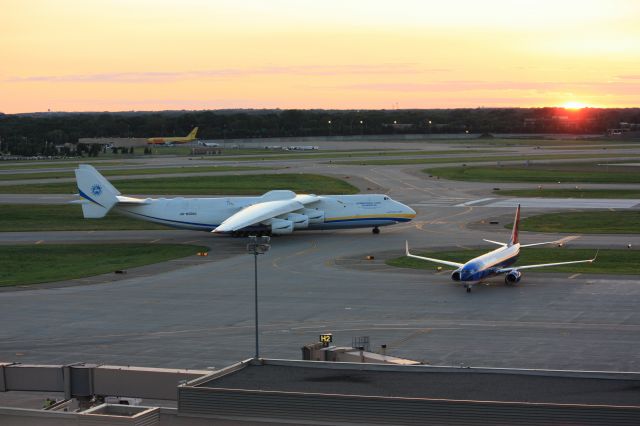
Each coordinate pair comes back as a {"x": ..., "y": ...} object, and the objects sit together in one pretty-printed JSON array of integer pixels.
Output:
[{"x": 96, "y": 190}]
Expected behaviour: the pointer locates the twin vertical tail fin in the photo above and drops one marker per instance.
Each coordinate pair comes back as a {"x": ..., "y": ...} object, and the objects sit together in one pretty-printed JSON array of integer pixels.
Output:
[
  {"x": 516, "y": 224},
  {"x": 99, "y": 196}
]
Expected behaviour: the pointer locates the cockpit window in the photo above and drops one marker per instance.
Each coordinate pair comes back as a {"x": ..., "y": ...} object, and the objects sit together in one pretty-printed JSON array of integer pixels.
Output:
[{"x": 386, "y": 198}]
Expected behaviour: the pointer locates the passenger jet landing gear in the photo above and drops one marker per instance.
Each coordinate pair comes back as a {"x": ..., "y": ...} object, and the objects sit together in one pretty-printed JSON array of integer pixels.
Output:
[
  {"x": 376, "y": 230},
  {"x": 468, "y": 287}
]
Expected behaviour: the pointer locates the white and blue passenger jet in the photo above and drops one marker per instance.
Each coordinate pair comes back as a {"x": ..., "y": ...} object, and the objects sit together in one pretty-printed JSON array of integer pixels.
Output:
[{"x": 496, "y": 262}]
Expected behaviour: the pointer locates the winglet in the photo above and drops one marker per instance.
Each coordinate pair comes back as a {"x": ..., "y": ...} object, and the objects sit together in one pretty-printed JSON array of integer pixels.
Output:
[
  {"x": 595, "y": 257},
  {"x": 406, "y": 248},
  {"x": 514, "y": 232}
]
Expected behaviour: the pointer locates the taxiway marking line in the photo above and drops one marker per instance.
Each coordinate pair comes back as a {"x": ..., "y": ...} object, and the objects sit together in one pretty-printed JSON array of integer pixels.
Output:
[{"x": 469, "y": 203}]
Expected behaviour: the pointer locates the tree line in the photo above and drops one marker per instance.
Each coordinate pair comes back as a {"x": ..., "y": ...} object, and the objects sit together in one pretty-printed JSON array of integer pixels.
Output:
[{"x": 40, "y": 133}]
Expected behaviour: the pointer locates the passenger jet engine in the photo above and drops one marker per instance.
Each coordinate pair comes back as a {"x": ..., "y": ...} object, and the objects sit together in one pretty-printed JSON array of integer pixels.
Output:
[
  {"x": 513, "y": 277},
  {"x": 455, "y": 275}
]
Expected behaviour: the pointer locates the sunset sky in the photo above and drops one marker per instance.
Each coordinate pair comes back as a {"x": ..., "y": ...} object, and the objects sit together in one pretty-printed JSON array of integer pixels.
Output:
[{"x": 95, "y": 55}]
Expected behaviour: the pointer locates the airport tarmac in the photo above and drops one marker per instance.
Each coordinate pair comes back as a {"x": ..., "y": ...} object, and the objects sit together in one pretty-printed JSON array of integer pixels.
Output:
[{"x": 199, "y": 313}]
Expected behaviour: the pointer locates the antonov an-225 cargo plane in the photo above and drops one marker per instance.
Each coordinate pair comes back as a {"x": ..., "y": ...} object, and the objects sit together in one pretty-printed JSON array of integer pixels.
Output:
[
  {"x": 495, "y": 262},
  {"x": 276, "y": 212}
]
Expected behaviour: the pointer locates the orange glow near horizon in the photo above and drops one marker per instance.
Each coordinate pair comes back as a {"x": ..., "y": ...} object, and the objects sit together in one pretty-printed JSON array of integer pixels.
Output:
[
  {"x": 574, "y": 105},
  {"x": 116, "y": 55}
]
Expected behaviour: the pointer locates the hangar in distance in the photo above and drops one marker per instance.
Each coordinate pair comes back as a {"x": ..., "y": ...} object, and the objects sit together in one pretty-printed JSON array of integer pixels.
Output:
[{"x": 275, "y": 212}]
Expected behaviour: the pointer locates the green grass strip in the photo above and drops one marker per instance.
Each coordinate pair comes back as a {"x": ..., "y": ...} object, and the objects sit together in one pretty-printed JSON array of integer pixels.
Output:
[
  {"x": 571, "y": 193},
  {"x": 204, "y": 185},
  {"x": 609, "y": 261},
  {"x": 480, "y": 159},
  {"x": 591, "y": 222},
  {"x": 539, "y": 174},
  {"x": 63, "y": 217},
  {"x": 21, "y": 265},
  {"x": 134, "y": 172},
  {"x": 346, "y": 154}
]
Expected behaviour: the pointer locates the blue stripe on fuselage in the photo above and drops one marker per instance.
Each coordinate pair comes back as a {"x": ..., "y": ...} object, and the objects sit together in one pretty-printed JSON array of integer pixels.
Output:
[{"x": 472, "y": 271}]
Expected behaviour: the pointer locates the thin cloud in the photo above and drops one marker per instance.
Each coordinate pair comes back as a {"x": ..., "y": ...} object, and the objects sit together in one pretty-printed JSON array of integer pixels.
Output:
[
  {"x": 464, "y": 86},
  {"x": 167, "y": 76}
]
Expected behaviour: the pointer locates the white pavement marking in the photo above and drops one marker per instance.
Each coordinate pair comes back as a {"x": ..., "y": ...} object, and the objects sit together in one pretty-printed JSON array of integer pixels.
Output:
[
  {"x": 469, "y": 203},
  {"x": 437, "y": 202},
  {"x": 569, "y": 203}
]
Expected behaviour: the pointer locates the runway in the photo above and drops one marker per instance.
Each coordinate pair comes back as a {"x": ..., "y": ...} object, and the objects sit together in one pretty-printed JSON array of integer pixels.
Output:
[{"x": 198, "y": 312}]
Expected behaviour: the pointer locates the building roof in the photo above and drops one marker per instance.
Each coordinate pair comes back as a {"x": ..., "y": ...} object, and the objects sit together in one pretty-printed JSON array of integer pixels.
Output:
[{"x": 531, "y": 386}]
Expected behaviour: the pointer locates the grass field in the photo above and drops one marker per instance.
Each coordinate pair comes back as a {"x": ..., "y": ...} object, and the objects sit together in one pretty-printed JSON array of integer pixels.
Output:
[
  {"x": 133, "y": 172},
  {"x": 20, "y": 265},
  {"x": 591, "y": 222},
  {"x": 550, "y": 142},
  {"x": 23, "y": 165},
  {"x": 542, "y": 173},
  {"x": 608, "y": 262},
  {"x": 571, "y": 193},
  {"x": 479, "y": 159},
  {"x": 204, "y": 185},
  {"x": 346, "y": 154},
  {"x": 63, "y": 217}
]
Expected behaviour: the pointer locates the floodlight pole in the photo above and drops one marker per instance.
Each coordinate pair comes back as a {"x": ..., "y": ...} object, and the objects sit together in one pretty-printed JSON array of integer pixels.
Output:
[
  {"x": 256, "y": 246},
  {"x": 255, "y": 292}
]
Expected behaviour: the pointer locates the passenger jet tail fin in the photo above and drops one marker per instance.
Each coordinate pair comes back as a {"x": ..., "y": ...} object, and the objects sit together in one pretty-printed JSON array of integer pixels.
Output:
[
  {"x": 516, "y": 224},
  {"x": 99, "y": 196},
  {"x": 192, "y": 134}
]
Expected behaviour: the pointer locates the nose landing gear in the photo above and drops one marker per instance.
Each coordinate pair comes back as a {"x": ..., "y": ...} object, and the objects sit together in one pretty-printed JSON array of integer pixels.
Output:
[{"x": 376, "y": 230}]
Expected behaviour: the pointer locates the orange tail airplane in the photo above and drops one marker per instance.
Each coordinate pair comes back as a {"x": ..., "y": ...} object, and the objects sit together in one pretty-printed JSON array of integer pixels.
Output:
[{"x": 171, "y": 140}]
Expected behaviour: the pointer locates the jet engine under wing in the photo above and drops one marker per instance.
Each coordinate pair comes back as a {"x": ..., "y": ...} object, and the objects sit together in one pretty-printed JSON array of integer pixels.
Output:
[{"x": 257, "y": 213}]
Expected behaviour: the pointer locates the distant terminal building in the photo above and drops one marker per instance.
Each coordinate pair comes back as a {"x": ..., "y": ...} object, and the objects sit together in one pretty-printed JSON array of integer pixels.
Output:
[
  {"x": 206, "y": 150},
  {"x": 114, "y": 142},
  {"x": 399, "y": 126}
]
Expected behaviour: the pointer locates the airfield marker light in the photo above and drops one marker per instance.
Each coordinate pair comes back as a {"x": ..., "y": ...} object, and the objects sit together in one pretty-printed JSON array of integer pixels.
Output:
[{"x": 257, "y": 245}]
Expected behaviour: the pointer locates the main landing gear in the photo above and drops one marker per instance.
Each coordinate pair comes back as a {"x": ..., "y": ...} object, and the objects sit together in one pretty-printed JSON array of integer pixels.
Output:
[
  {"x": 468, "y": 287},
  {"x": 376, "y": 230}
]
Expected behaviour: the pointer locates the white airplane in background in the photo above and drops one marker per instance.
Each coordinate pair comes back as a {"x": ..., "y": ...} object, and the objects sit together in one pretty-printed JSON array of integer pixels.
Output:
[
  {"x": 495, "y": 262},
  {"x": 276, "y": 212}
]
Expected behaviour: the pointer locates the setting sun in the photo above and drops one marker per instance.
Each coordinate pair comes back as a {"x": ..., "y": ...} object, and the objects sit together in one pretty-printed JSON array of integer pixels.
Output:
[{"x": 574, "y": 105}]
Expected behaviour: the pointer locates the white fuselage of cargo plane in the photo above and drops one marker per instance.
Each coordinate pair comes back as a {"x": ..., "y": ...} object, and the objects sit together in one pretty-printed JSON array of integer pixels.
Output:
[
  {"x": 276, "y": 212},
  {"x": 332, "y": 211}
]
